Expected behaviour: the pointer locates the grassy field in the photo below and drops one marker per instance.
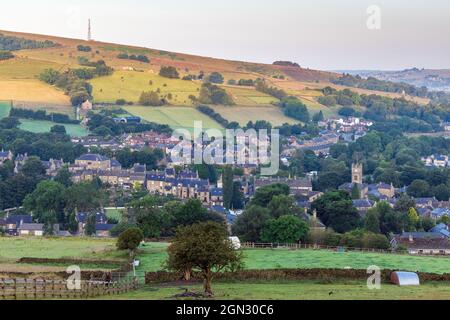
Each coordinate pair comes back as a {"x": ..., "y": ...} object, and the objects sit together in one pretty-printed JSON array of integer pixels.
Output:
[
  {"x": 154, "y": 255},
  {"x": 176, "y": 117},
  {"x": 129, "y": 85},
  {"x": 307, "y": 290},
  {"x": 114, "y": 213},
  {"x": 24, "y": 68},
  {"x": 5, "y": 107},
  {"x": 13, "y": 249},
  {"x": 32, "y": 91},
  {"x": 38, "y": 126},
  {"x": 248, "y": 96},
  {"x": 243, "y": 115}
]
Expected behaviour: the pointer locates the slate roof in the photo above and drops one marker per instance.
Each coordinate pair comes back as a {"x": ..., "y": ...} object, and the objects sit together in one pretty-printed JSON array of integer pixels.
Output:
[
  {"x": 363, "y": 203},
  {"x": 92, "y": 157},
  {"x": 18, "y": 219},
  {"x": 32, "y": 226},
  {"x": 217, "y": 192},
  {"x": 439, "y": 212},
  {"x": 81, "y": 217},
  {"x": 104, "y": 227}
]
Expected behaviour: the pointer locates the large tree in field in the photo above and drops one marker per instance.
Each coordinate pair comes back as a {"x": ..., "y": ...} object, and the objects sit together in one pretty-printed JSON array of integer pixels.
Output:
[{"x": 204, "y": 247}]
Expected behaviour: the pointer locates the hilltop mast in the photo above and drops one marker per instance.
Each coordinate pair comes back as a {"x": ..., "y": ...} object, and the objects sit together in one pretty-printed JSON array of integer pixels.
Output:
[{"x": 89, "y": 31}]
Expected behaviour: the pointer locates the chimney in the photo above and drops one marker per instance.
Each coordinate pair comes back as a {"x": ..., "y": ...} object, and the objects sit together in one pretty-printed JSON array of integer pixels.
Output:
[{"x": 411, "y": 238}]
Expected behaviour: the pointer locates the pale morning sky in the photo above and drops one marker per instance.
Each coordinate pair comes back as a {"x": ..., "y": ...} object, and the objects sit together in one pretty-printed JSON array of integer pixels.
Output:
[{"x": 322, "y": 34}]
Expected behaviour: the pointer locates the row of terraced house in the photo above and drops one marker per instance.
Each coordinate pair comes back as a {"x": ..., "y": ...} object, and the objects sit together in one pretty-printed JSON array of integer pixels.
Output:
[{"x": 182, "y": 185}]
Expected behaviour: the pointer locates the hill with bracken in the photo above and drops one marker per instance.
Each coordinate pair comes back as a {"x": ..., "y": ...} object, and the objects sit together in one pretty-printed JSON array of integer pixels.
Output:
[{"x": 137, "y": 70}]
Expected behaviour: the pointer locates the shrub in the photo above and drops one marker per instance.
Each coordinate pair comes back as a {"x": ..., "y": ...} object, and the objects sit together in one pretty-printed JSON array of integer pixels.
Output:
[
  {"x": 151, "y": 99},
  {"x": 169, "y": 72},
  {"x": 216, "y": 77},
  {"x": 84, "y": 48},
  {"x": 130, "y": 239}
]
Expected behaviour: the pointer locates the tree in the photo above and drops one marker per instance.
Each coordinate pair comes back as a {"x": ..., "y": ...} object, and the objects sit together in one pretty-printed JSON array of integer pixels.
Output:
[
  {"x": 130, "y": 240},
  {"x": 83, "y": 197},
  {"x": 285, "y": 229},
  {"x": 227, "y": 178},
  {"x": 49, "y": 196},
  {"x": 237, "y": 201},
  {"x": 413, "y": 218},
  {"x": 49, "y": 219},
  {"x": 148, "y": 215},
  {"x": 265, "y": 194},
  {"x": 419, "y": 189},
  {"x": 64, "y": 177},
  {"x": 33, "y": 167},
  {"x": 404, "y": 203},
  {"x": 356, "y": 194},
  {"x": 372, "y": 221},
  {"x": 204, "y": 247},
  {"x": 212, "y": 94},
  {"x": 58, "y": 129},
  {"x": 249, "y": 225},
  {"x": 283, "y": 205},
  {"x": 151, "y": 98},
  {"x": 89, "y": 228},
  {"x": 442, "y": 192},
  {"x": 317, "y": 117},
  {"x": 335, "y": 209},
  {"x": 169, "y": 72},
  {"x": 216, "y": 77}
]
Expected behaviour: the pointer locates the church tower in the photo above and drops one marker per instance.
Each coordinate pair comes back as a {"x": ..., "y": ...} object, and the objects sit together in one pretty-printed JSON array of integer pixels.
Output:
[{"x": 357, "y": 173}]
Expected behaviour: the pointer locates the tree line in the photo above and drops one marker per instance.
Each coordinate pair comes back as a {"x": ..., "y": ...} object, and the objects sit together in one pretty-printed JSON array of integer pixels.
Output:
[{"x": 41, "y": 115}]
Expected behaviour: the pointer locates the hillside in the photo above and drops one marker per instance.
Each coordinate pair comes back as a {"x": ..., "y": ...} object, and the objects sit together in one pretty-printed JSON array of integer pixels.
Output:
[
  {"x": 19, "y": 79},
  {"x": 434, "y": 80}
]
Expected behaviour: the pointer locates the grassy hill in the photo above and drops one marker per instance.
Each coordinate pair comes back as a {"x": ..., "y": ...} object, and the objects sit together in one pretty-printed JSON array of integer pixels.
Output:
[{"x": 19, "y": 81}]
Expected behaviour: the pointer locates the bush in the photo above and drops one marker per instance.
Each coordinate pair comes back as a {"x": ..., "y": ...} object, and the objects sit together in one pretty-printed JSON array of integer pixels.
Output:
[
  {"x": 216, "y": 77},
  {"x": 347, "y": 112},
  {"x": 151, "y": 99},
  {"x": 130, "y": 239},
  {"x": 120, "y": 228},
  {"x": 169, "y": 72},
  {"x": 212, "y": 94},
  {"x": 5, "y": 55},
  {"x": 84, "y": 48},
  {"x": 294, "y": 108},
  {"x": 121, "y": 102}
]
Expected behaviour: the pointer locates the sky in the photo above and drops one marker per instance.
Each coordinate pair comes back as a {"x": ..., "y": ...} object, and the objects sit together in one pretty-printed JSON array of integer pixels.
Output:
[{"x": 319, "y": 34}]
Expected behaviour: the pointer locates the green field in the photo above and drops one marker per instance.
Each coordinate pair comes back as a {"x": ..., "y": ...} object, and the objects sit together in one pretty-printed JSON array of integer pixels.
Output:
[
  {"x": 154, "y": 255},
  {"x": 5, "y": 107},
  {"x": 243, "y": 115},
  {"x": 129, "y": 85},
  {"x": 175, "y": 117},
  {"x": 290, "y": 290},
  {"x": 114, "y": 214},
  {"x": 38, "y": 126},
  {"x": 53, "y": 248}
]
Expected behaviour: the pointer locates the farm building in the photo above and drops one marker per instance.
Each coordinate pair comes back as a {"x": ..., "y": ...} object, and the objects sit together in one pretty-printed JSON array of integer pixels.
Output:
[
  {"x": 13, "y": 223},
  {"x": 422, "y": 243},
  {"x": 31, "y": 229},
  {"x": 128, "y": 120},
  {"x": 103, "y": 230}
]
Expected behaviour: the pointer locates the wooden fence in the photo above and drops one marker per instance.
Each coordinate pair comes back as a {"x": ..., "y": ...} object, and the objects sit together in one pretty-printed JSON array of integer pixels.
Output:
[
  {"x": 38, "y": 289},
  {"x": 300, "y": 246}
]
